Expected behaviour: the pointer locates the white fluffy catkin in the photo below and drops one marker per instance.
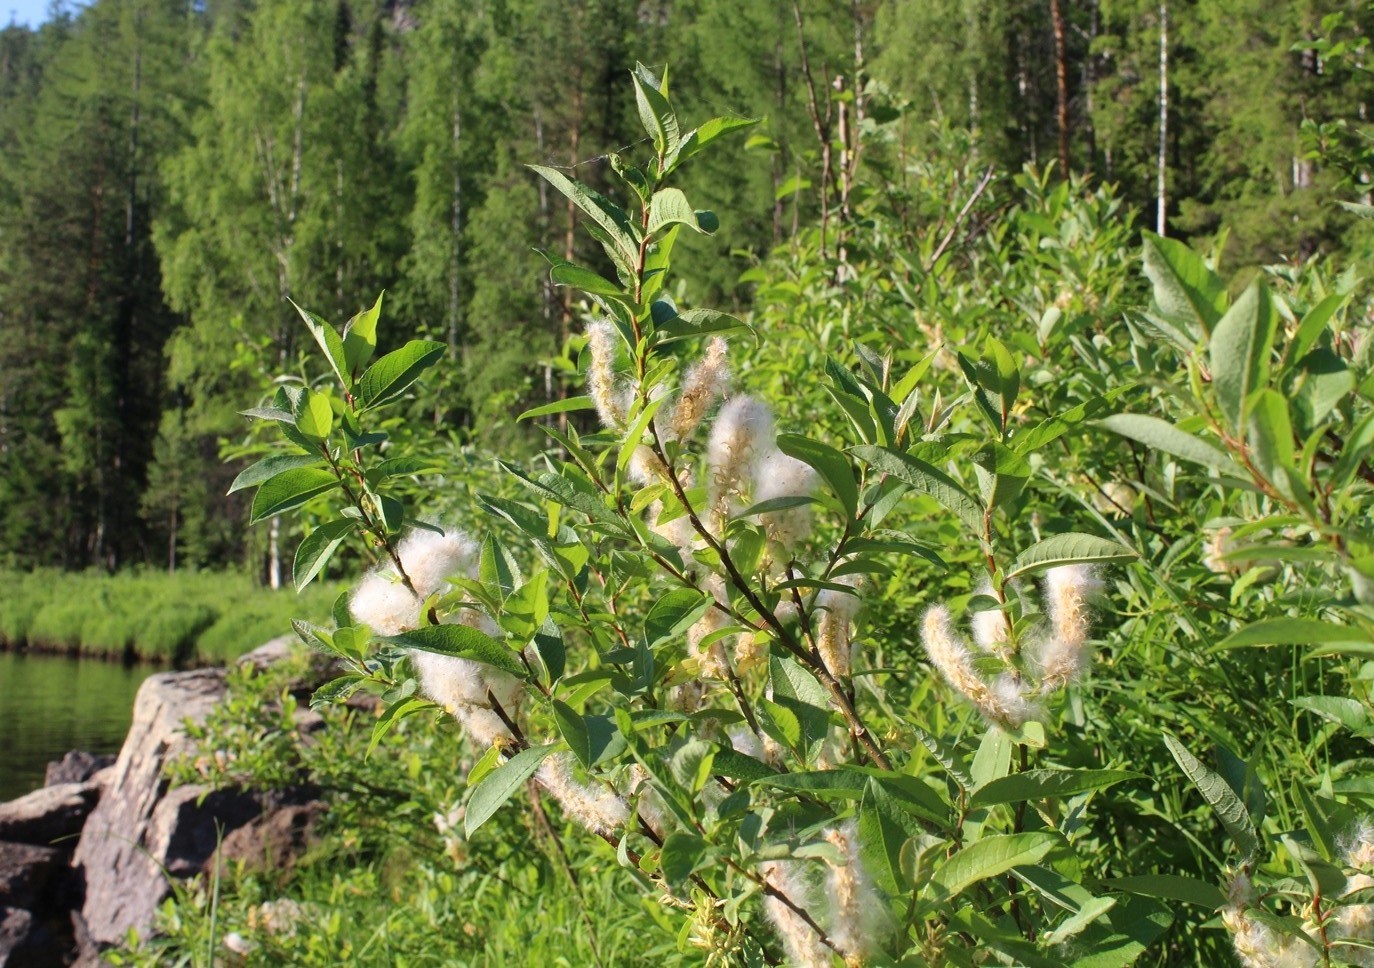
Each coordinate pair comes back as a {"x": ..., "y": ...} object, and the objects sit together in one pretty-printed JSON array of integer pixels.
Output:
[
  {"x": 1062, "y": 656},
  {"x": 858, "y": 921},
  {"x": 803, "y": 945},
  {"x": 1356, "y": 921},
  {"x": 776, "y": 475},
  {"x": 1004, "y": 702},
  {"x": 463, "y": 687},
  {"x": 991, "y": 627},
  {"x": 1257, "y": 944},
  {"x": 703, "y": 383},
  {"x": 834, "y": 613},
  {"x": 767, "y": 749},
  {"x": 386, "y": 605},
  {"x": 742, "y": 430},
  {"x": 711, "y": 659},
  {"x": 598, "y": 809},
  {"x": 601, "y": 379}
]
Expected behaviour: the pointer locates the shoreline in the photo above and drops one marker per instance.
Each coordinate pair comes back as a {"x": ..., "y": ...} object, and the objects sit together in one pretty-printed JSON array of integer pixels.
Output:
[{"x": 128, "y": 656}]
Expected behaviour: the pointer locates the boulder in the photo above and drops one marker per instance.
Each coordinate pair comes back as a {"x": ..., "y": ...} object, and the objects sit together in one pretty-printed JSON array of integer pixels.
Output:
[
  {"x": 275, "y": 840},
  {"x": 28, "y": 873},
  {"x": 77, "y": 766},
  {"x": 280, "y": 649},
  {"x": 139, "y": 828},
  {"x": 48, "y": 814},
  {"x": 142, "y": 831},
  {"x": 25, "y": 942}
]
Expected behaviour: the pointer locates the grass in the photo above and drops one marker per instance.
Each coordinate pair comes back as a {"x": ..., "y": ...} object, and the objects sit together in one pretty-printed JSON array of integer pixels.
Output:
[{"x": 178, "y": 619}]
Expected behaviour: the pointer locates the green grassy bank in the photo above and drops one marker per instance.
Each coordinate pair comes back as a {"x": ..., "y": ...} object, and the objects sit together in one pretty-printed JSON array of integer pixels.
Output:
[{"x": 181, "y": 618}]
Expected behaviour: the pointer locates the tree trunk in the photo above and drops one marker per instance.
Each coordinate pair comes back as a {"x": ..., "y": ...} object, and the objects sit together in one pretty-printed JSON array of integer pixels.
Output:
[
  {"x": 1089, "y": 79},
  {"x": 1061, "y": 82},
  {"x": 1162, "y": 166},
  {"x": 274, "y": 552}
]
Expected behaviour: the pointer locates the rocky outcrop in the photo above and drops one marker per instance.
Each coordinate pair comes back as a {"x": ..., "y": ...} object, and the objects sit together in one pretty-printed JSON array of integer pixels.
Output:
[
  {"x": 77, "y": 766},
  {"x": 26, "y": 942},
  {"x": 140, "y": 828},
  {"x": 142, "y": 832},
  {"x": 274, "y": 840},
  {"x": 28, "y": 874},
  {"x": 91, "y": 855},
  {"x": 48, "y": 815}
]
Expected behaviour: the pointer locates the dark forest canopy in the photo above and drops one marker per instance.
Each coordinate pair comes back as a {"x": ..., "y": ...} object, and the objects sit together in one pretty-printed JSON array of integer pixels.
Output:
[{"x": 174, "y": 172}]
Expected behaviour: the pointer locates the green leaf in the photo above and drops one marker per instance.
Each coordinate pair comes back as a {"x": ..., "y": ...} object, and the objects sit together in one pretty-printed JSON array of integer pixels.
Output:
[
  {"x": 329, "y": 341},
  {"x": 403, "y": 467},
  {"x": 314, "y": 416},
  {"x": 500, "y": 784},
  {"x": 1349, "y": 713},
  {"x": 487, "y": 762},
  {"x": 1008, "y": 376},
  {"x": 1218, "y": 793},
  {"x": 548, "y": 643},
  {"x": 881, "y": 838},
  {"x": 1170, "y": 887},
  {"x": 565, "y": 405},
  {"x": 1313, "y": 325},
  {"x": 926, "y": 479},
  {"x": 1240, "y": 352},
  {"x": 694, "y": 141},
  {"x": 1002, "y": 474},
  {"x": 1041, "y": 784},
  {"x": 1291, "y": 631},
  {"x": 669, "y": 206},
  {"x": 1132, "y": 927},
  {"x": 1185, "y": 290},
  {"x": 1271, "y": 439},
  {"x": 797, "y": 690},
  {"x": 832, "y": 465},
  {"x": 318, "y": 547},
  {"x": 270, "y": 413},
  {"x": 682, "y": 853},
  {"x": 1161, "y": 435},
  {"x": 393, "y": 373},
  {"x": 567, "y": 274},
  {"x": 605, "y": 214},
  {"x": 729, "y": 762},
  {"x": 561, "y": 491},
  {"x": 461, "y": 641},
  {"x": 1070, "y": 548},
  {"x": 574, "y": 732},
  {"x": 989, "y": 857},
  {"x": 692, "y": 323},
  {"x": 270, "y": 467},
  {"x": 674, "y": 613},
  {"x": 360, "y": 337},
  {"x": 396, "y": 712},
  {"x": 657, "y": 116},
  {"x": 841, "y": 784},
  {"x": 336, "y": 691},
  {"x": 290, "y": 489}
]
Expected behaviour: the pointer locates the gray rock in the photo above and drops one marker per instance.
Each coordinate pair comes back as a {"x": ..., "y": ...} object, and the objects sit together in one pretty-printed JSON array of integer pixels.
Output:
[
  {"x": 28, "y": 873},
  {"x": 275, "y": 840},
  {"x": 49, "y": 814},
  {"x": 25, "y": 942},
  {"x": 139, "y": 828},
  {"x": 78, "y": 766},
  {"x": 280, "y": 649}
]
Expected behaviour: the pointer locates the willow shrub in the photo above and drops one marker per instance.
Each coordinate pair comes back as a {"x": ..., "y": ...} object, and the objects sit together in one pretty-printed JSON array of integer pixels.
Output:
[{"x": 665, "y": 632}]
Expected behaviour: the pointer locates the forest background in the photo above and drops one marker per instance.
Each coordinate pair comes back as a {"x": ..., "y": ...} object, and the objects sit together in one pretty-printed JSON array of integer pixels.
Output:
[{"x": 175, "y": 171}]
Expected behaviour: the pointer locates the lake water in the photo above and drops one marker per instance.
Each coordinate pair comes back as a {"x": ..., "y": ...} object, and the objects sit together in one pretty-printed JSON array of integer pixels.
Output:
[{"x": 52, "y": 704}]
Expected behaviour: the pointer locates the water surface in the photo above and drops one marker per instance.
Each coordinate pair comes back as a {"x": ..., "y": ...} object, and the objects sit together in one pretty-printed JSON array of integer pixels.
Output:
[{"x": 52, "y": 704}]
